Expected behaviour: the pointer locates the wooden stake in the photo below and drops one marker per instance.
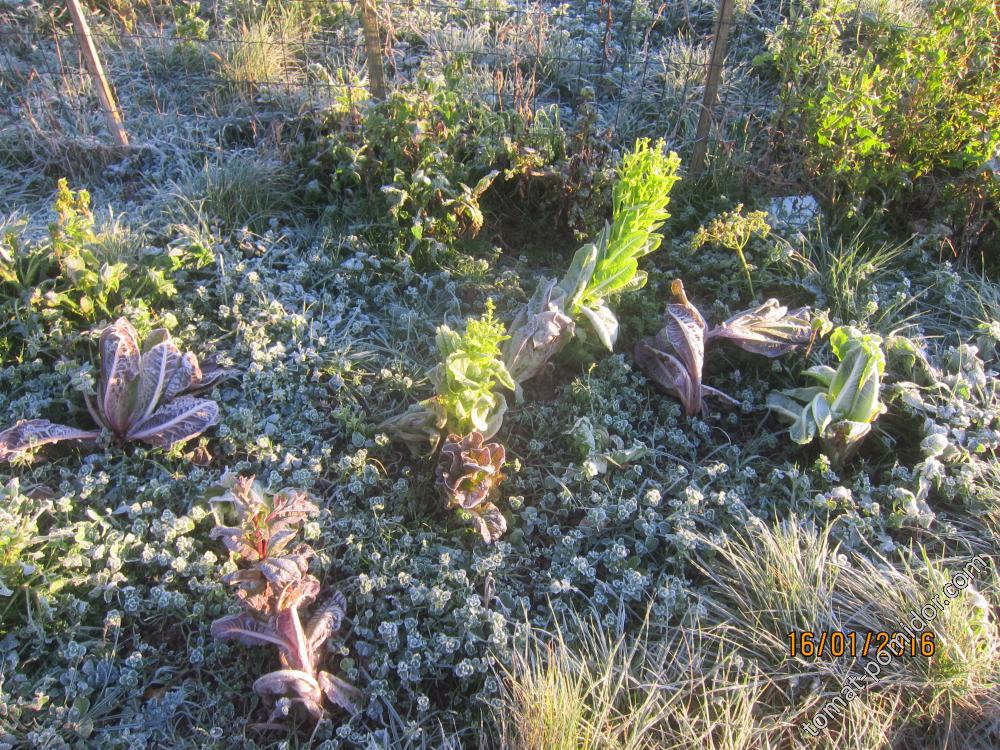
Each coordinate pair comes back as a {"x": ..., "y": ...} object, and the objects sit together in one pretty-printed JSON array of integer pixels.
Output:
[
  {"x": 104, "y": 93},
  {"x": 712, "y": 84},
  {"x": 376, "y": 78}
]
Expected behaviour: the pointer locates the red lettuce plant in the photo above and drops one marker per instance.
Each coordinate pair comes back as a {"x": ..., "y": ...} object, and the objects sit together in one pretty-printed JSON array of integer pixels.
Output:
[
  {"x": 675, "y": 357},
  {"x": 273, "y": 584},
  {"x": 468, "y": 472},
  {"x": 143, "y": 393}
]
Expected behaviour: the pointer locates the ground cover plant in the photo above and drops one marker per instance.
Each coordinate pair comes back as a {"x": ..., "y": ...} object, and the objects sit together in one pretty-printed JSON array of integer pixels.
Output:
[{"x": 582, "y": 552}]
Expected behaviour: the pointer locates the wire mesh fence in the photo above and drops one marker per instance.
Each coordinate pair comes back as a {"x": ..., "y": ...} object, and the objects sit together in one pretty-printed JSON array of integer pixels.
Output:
[{"x": 634, "y": 68}]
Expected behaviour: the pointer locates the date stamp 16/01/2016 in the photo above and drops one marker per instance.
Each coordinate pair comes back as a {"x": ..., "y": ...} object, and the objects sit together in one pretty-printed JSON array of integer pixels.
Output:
[{"x": 837, "y": 643}]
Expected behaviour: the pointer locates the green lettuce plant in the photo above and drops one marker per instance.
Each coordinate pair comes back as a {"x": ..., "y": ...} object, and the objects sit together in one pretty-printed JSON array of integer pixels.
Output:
[
  {"x": 600, "y": 270},
  {"x": 143, "y": 393},
  {"x": 674, "y": 359},
  {"x": 273, "y": 583},
  {"x": 467, "y": 382},
  {"x": 840, "y": 411}
]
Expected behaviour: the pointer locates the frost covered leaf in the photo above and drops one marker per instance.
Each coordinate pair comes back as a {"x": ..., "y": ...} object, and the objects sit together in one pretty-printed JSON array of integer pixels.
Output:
[
  {"x": 284, "y": 681},
  {"x": 769, "y": 329},
  {"x": 33, "y": 433},
  {"x": 539, "y": 331},
  {"x": 823, "y": 373},
  {"x": 340, "y": 692},
  {"x": 669, "y": 373},
  {"x": 184, "y": 378},
  {"x": 120, "y": 362},
  {"x": 841, "y": 411},
  {"x": 604, "y": 323},
  {"x": 136, "y": 390},
  {"x": 675, "y": 358},
  {"x": 211, "y": 376},
  {"x": 301, "y": 685},
  {"x": 468, "y": 469},
  {"x": 232, "y": 537},
  {"x": 293, "y": 595},
  {"x": 272, "y": 616},
  {"x": 181, "y": 419},
  {"x": 286, "y": 569},
  {"x": 290, "y": 508},
  {"x": 141, "y": 393},
  {"x": 268, "y": 521},
  {"x": 578, "y": 275},
  {"x": 248, "y": 630},
  {"x": 489, "y": 522},
  {"x": 326, "y": 620},
  {"x": 684, "y": 331},
  {"x": 420, "y": 426},
  {"x": 843, "y": 439},
  {"x": 159, "y": 365}
]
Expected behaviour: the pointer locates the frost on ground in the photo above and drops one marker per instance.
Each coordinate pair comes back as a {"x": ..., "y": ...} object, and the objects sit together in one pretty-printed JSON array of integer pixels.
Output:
[{"x": 652, "y": 564}]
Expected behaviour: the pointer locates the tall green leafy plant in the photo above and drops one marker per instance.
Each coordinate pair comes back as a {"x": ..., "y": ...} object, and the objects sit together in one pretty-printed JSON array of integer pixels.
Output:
[
  {"x": 841, "y": 410},
  {"x": 600, "y": 270},
  {"x": 610, "y": 265},
  {"x": 894, "y": 107}
]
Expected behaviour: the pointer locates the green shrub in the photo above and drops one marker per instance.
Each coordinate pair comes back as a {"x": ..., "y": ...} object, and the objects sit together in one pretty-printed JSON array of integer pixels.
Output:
[
  {"x": 898, "y": 111},
  {"x": 77, "y": 275},
  {"x": 423, "y": 159}
]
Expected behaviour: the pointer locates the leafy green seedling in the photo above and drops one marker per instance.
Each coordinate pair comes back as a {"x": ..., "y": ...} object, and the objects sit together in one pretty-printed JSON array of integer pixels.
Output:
[{"x": 466, "y": 381}]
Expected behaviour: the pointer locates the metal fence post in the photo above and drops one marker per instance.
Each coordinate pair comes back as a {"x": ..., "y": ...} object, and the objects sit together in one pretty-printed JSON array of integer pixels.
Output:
[
  {"x": 712, "y": 84},
  {"x": 376, "y": 78},
  {"x": 104, "y": 93}
]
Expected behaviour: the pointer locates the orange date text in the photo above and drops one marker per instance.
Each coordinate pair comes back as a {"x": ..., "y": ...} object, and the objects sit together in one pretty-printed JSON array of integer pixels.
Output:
[{"x": 836, "y": 643}]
